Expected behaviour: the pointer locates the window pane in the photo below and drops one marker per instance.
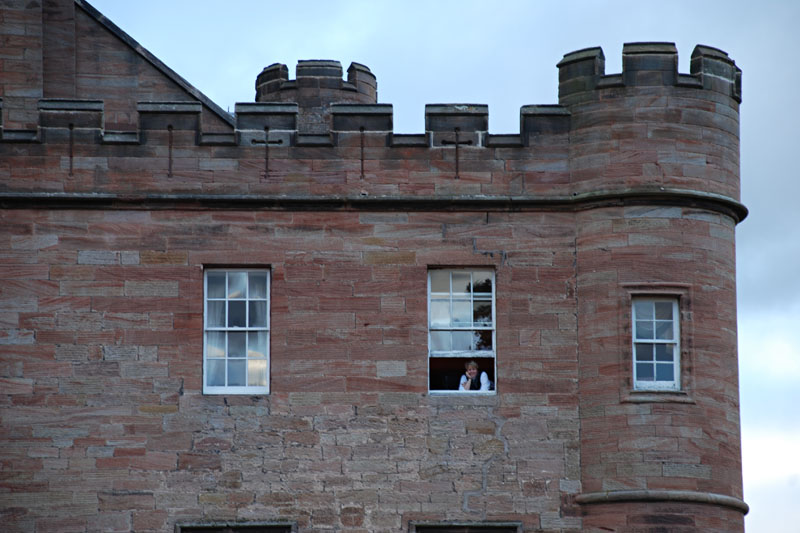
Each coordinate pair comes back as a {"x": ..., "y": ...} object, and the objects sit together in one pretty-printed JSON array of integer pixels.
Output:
[
  {"x": 461, "y": 282},
  {"x": 216, "y": 285},
  {"x": 237, "y": 284},
  {"x": 215, "y": 372},
  {"x": 440, "y": 312},
  {"x": 643, "y": 310},
  {"x": 482, "y": 282},
  {"x": 440, "y": 281},
  {"x": 236, "y": 314},
  {"x": 215, "y": 344},
  {"x": 644, "y": 329},
  {"x": 258, "y": 285},
  {"x": 644, "y": 352},
  {"x": 644, "y": 371},
  {"x": 237, "y": 372},
  {"x": 482, "y": 313},
  {"x": 664, "y": 330},
  {"x": 462, "y": 312},
  {"x": 257, "y": 373},
  {"x": 462, "y": 340},
  {"x": 665, "y": 372},
  {"x": 258, "y": 315},
  {"x": 236, "y": 344},
  {"x": 257, "y": 344},
  {"x": 440, "y": 341},
  {"x": 664, "y": 352},
  {"x": 216, "y": 315},
  {"x": 483, "y": 340},
  {"x": 663, "y": 310}
]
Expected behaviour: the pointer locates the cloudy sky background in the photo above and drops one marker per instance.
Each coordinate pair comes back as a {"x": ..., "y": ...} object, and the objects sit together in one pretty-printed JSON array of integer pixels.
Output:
[{"x": 504, "y": 54}]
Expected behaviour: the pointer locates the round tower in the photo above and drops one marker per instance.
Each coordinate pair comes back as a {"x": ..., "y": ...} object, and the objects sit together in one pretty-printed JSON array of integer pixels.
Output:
[
  {"x": 318, "y": 84},
  {"x": 656, "y": 155}
]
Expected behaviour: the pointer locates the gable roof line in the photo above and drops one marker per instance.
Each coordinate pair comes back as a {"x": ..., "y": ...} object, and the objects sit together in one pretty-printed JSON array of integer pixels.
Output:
[{"x": 157, "y": 63}]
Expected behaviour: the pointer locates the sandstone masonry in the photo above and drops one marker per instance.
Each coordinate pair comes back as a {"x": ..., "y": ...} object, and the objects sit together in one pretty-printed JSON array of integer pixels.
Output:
[{"x": 122, "y": 186}]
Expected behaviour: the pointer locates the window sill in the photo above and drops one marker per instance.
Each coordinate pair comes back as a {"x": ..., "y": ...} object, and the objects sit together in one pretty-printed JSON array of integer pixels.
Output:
[
  {"x": 656, "y": 396},
  {"x": 464, "y": 398}
]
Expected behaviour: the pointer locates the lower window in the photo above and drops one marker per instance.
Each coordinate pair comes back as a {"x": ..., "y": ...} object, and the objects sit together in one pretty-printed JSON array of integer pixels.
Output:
[
  {"x": 461, "y": 330},
  {"x": 656, "y": 344},
  {"x": 236, "y": 528},
  {"x": 236, "y": 332},
  {"x": 472, "y": 527}
]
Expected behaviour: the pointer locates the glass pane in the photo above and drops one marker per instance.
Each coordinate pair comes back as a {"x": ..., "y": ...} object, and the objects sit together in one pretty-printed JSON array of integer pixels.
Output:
[
  {"x": 440, "y": 341},
  {"x": 482, "y": 282},
  {"x": 236, "y": 344},
  {"x": 663, "y": 310},
  {"x": 258, "y": 285},
  {"x": 664, "y": 352},
  {"x": 483, "y": 340},
  {"x": 643, "y": 310},
  {"x": 461, "y": 282},
  {"x": 216, "y": 315},
  {"x": 644, "y": 352},
  {"x": 665, "y": 372},
  {"x": 215, "y": 372},
  {"x": 462, "y": 312},
  {"x": 236, "y": 314},
  {"x": 440, "y": 312},
  {"x": 237, "y": 284},
  {"x": 237, "y": 372},
  {"x": 257, "y": 373},
  {"x": 664, "y": 330},
  {"x": 257, "y": 344},
  {"x": 462, "y": 340},
  {"x": 258, "y": 314},
  {"x": 440, "y": 281},
  {"x": 644, "y": 329},
  {"x": 644, "y": 371},
  {"x": 215, "y": 344},
  {"x": 482, "y": 313},
  {"x": 216, "y": 285}
]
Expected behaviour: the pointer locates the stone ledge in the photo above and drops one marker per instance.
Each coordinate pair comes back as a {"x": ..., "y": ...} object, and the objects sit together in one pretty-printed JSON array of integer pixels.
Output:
[{"x": 686, "y": 496}]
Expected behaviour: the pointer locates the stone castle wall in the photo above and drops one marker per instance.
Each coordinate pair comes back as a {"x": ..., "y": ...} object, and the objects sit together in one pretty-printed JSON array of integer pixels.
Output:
[{"x": 113, "y": 203}]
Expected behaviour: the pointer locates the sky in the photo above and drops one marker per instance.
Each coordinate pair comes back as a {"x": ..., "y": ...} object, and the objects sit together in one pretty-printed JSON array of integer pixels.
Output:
[{"x": 504, "y": 54}]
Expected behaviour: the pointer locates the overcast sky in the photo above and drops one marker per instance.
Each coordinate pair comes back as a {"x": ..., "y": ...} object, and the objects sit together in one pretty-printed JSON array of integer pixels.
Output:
[{"x": 504, "y": 54}]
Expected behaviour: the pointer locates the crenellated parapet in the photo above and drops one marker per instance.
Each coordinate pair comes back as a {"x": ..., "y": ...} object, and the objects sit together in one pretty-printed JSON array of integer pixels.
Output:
[
  {"x": 648, "y": 128},
  {"x": 582, "y": 72}
]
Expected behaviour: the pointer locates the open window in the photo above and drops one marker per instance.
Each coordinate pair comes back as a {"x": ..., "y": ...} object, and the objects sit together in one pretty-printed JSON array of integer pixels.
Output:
[
  {"x": 461, "y": 328},
  {"x": 236, "y": 332}
]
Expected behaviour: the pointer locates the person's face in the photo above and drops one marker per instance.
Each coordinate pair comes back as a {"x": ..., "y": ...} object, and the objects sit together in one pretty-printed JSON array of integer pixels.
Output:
[{"x": 472, "y": 372}]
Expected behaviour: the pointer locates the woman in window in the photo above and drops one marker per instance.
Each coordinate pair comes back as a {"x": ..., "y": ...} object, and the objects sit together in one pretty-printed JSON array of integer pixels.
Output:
[{"x": 470, "y": 381}]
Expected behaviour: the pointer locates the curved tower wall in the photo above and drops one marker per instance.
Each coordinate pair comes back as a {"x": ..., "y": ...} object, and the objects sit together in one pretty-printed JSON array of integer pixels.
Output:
[{"x": 663, "y": 148}]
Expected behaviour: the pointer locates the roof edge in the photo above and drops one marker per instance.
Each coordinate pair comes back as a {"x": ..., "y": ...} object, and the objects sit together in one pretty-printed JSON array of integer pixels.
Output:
[{"x": 157, "y": 63}]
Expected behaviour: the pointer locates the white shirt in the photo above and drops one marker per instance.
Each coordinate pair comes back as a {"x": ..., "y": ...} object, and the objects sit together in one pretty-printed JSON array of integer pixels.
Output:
[{"x": 484, "y": 382}]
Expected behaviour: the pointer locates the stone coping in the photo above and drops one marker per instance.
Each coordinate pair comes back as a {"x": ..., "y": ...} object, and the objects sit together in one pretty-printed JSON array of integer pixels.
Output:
[{"x": 645, "y": 495}]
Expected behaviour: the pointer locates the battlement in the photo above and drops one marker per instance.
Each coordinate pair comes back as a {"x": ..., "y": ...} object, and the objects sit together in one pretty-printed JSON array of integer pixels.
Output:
[
  {"x": 647, "y": 65},
  {"x": 317, "y": 86},
  {"x": 314, "y": 108}
]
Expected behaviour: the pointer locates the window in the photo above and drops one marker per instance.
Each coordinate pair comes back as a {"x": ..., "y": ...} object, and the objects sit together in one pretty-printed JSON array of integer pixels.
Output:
[
  {"x": 460, "y": 327},
  {"x": 656, "y": 344},
  {"x": 236, "y": 528},
  {"x": 236, "y": 332},
  {"x": 466, "y": 527}
]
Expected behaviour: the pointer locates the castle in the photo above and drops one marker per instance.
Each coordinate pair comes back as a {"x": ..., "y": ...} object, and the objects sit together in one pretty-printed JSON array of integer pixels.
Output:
[{"x": 260, "y": 322}]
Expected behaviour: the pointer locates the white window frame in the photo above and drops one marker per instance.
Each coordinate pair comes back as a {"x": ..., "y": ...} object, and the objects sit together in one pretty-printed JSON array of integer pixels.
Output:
[
  {"x": 226, "y": 329},
  {"x": 640, "y": 336},
  {"x": 471, "y": 327}
]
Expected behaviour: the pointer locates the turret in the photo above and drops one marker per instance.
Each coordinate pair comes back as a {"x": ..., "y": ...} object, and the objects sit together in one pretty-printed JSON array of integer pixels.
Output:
[{"x": 318, "y": 85}]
